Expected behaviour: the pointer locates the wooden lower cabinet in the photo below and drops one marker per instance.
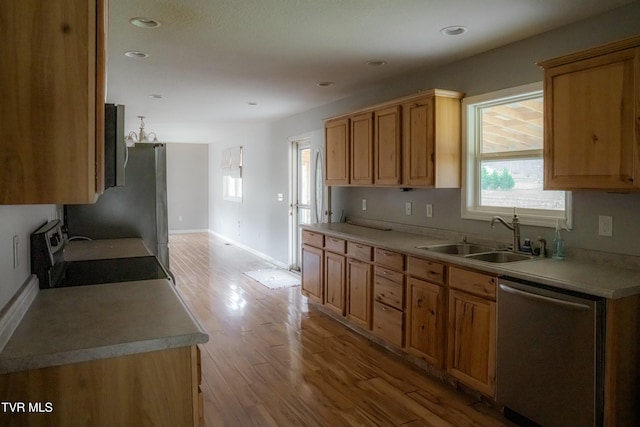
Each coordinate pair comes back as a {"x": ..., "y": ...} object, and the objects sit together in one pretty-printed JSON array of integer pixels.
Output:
[
  {"x": 335, "y": 267},
  {"x": 388, "y": 323},
  {"x": 471, "y": 345},
  {"x": 426, "y": 321},
  {"x": 312, "y": 273},
  {"x": 159, "y": 388},
  {"x": 359, "y": 297}
]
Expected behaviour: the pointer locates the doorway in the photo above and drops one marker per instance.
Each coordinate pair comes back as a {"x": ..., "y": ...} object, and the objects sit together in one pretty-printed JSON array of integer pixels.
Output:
[
  {"x": 310, "y": 197},
  {"x": 301, "y": 196}
]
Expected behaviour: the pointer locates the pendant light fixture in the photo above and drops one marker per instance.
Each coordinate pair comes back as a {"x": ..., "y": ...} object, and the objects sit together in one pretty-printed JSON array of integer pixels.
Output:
[{"x": 142, "y": 137}]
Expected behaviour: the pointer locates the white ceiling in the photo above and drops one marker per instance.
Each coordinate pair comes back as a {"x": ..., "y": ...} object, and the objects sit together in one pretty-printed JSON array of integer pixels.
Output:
[{"x": 210, "y": 58}]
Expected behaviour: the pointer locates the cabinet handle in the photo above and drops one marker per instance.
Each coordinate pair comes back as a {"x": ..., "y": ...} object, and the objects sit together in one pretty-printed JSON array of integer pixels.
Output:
[
  {"x": 384, "y": 308},
  {"x": 359, "y": 246}
]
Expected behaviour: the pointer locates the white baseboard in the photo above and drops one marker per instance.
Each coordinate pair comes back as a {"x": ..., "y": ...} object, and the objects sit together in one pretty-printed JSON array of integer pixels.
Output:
[
  {"x": 252, "y": 250},
  {"x": 200, "y": 230},
  {"x": 14, "y": 311}
]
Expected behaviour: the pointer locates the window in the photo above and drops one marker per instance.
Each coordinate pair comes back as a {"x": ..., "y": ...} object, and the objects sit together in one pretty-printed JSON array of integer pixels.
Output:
[
  {"x": 504, "y": 159},
  {"x": 231, "y": 166}
]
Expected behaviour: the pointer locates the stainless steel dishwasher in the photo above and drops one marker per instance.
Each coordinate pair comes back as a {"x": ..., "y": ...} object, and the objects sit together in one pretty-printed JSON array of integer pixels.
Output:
[{"x": 550, "y": 365}]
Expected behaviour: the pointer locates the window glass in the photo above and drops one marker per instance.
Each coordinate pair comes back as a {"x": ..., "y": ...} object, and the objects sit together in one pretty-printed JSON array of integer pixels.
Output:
[{"x": 504, "y": 167}]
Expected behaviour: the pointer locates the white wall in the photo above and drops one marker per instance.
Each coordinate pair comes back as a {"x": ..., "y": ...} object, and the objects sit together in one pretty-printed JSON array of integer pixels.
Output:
[{"x": 188, "y": 186}]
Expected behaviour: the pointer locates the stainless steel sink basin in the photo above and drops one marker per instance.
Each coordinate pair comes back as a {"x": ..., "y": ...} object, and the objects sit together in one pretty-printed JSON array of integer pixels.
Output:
[
  {"x": 457, "y": 248},
  {"x": 500, "y": 257}
]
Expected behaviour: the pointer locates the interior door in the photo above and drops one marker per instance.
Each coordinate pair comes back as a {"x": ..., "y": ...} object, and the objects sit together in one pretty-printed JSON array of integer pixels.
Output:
[{"x": 302, "y": 204}]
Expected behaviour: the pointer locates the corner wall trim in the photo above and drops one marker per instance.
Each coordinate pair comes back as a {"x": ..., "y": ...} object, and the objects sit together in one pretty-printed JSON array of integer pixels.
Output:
[{"x": 12, "y": 314}]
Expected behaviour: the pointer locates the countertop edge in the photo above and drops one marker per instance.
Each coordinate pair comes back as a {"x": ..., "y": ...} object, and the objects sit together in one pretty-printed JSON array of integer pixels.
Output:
[
  {"x": 510, "y": 269},
  {"x": 105, "y": 352}
]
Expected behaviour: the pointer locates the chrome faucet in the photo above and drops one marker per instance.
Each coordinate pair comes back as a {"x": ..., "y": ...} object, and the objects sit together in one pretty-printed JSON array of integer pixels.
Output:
[{"x": 514, "y": 226}]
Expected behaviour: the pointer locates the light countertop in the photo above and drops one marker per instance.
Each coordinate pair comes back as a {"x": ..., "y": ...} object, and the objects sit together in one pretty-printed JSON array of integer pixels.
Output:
[
  {"x": 589, "y": 278},
  {"x": 82, "y": 250},
  {"x": 76, "y": 324}
]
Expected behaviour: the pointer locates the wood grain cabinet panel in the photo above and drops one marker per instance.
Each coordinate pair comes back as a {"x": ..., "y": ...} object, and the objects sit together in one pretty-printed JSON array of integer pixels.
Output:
[
  {"x": 335, "y": 269},
  {"x": 471, "y": 329},
  {"x": 359, "y": 298},
  {"x": 388, "y": 323},
  {"x": 362, "y": 149},
  {"x": 145, "y": 389},
  {"x": 426, "y": 321},
  {"x": 592, "y": 118},
  {"x": 53, "y": 91},
  {"x": 431, "y": 140},
  {"x": 337, "y": 152},
  {"x": 387, "y": 143},
  {"x": 312, "y": 273}
]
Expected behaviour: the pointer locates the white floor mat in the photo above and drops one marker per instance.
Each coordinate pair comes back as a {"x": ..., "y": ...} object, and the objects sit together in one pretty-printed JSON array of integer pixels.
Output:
[{"x": 275, "y": 278}]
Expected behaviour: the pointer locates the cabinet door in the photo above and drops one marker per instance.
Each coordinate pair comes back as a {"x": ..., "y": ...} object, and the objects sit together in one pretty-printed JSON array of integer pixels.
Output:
[
  {"x": 337, "y": 152},
  {"x": 431, "y": 141},
  {"x": 335, "y": 276},
  {"x": 591, "y": 136},
  {"x": 426, "y": 321},
  {"x": 471, "y": 351},
  {"x": 418, "y": 137},
  {"x": 359, "y": 293},
  {"x": 52, "y": 110},
  {"x": 387, "y": 146},
  {"x": 312, "y": 273},
  {"x": 362, "y": 149}
]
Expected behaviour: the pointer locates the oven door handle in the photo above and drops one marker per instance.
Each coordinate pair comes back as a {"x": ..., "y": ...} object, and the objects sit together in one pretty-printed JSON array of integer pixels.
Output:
[{"x": 566, "y": 304}]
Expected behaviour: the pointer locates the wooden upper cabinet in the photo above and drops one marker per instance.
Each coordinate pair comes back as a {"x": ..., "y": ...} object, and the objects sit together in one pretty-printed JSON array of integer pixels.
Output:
[
  {"x": 431, "y": 140},
  {"x": 362, "y": 149},
  {"x": 592, "y": 118},
  {"x": 387, "y": 154},
  {"x": 337, "y": 152},
  {"x": 53, "y": 94}
]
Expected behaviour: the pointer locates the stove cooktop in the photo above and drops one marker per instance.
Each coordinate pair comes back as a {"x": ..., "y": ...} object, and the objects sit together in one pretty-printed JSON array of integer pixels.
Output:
[{"x": 95, "y": 272}]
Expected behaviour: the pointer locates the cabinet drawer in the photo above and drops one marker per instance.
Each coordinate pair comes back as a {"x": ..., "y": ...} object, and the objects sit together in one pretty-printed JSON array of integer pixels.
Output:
[
  {"x": 388, "y": 323},
  {"x": 472, "y": 282},
  {"x": 334, "y": 244},
  {"x": 388, "y": 288},
  {"x": 426, "y": 270},
  {"x": 359, "y": 251},
  {"x": 390, "y": 259},
  {"x": 312, "y": 238}
]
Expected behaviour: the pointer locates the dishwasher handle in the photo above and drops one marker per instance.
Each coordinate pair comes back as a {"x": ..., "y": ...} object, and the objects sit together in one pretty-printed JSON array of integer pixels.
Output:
[{"x": 566, "y": 304}]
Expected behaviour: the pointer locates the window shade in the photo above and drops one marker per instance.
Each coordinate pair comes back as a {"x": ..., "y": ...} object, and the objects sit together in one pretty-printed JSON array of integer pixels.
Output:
[{"x": 231, "y": 162}]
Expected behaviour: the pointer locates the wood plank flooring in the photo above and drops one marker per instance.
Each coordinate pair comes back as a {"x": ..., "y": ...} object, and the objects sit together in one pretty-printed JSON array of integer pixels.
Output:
[{"x": 272, "y": 360}]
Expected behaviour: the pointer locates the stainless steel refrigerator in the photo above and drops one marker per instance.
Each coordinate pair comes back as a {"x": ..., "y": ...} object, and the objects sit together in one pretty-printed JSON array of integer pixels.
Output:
[{"x": 137, "y": 209}]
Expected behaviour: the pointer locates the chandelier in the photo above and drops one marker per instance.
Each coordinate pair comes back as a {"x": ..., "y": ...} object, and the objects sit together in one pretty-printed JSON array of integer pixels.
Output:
[{"x": 142, "y": 136}]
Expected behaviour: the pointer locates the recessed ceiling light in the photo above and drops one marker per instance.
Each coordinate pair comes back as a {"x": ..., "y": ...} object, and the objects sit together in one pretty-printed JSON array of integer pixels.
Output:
[
  {"x": 136, "y": 54},
  {"x": 144, "y": 22},
  {"x": 454, "y": 30},
  {"x": 376, "y": 63},
  {"x": 252, "y": 103},
  {"x": 325, "y": 84},
  {"x": 156, "y": 96}
]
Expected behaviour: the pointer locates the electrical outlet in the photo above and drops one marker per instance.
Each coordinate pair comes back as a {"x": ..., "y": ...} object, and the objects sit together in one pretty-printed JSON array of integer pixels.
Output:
[
  {"x": 429, "y": 210},
  {"x": 407, "y": 208},
  {"x": 605, "y": 226},
  {"x": 364, "y": 204}
]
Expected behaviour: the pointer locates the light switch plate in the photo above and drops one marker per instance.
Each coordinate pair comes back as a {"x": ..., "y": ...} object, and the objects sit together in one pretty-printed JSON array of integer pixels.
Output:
[
  {"x": 429, "y": 210},
  {"x": 364, "y": 204}
]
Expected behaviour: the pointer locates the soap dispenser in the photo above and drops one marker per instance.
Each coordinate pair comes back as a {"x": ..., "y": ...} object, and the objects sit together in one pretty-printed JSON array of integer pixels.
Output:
[{"x": 558, "y": 242}]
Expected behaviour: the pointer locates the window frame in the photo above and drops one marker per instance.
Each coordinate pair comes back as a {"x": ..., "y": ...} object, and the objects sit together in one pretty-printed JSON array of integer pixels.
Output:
[
  {"x": 471, "y": 161},
  {"x": 232, "y": 174}
]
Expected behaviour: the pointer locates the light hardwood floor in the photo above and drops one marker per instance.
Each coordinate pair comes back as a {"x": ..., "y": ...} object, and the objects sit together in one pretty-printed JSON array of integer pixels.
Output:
[{"x": 272, "y": 360}]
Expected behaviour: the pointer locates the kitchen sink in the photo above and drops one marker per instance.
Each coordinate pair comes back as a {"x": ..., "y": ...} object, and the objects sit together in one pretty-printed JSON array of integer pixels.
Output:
[
  {"x": 500, "y": 257},
  {"x": 457, "y": 248}
]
